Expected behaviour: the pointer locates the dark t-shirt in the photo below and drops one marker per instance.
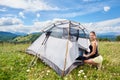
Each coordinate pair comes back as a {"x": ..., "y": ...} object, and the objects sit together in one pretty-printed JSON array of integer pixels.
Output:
[
  {"x": 96, "y": 52},
  {"x": 81, "y": 57}
]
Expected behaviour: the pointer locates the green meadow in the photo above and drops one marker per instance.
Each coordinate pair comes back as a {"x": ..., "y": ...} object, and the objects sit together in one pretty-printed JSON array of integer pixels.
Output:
[{"x": 14, "y": 65}]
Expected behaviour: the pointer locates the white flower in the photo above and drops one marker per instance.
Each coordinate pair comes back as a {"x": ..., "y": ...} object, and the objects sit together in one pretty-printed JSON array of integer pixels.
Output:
[
  {"x": 35, "y": 62},
  {"x": 27, "y": 70},
  {"x": 42, "y": 72},
  {"x": 85, "y": 76},
  {"x": 83, "y": 73},
  {"x": 48, "y": 71},
  {"x": 80, "y": 71},
  {"x": 78, "y": 74},
  {"x": 65, "y": 78}
]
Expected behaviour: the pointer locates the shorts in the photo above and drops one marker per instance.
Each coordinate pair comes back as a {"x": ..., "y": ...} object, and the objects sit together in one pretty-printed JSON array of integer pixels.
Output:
[{"x": 98, "y": 59}]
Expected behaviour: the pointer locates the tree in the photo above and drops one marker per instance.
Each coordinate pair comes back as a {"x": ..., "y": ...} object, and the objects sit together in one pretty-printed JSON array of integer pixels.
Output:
[
  {"x": 118, "y": 38},
  {"x": 103, "y": 39}
]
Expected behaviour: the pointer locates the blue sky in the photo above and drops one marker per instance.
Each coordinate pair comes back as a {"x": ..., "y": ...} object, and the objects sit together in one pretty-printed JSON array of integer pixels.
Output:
[{"x": 29, "y": 15}]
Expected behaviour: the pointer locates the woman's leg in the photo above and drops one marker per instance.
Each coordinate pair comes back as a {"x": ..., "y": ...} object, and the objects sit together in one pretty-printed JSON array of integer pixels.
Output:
[{"x": 90, "y": 61}]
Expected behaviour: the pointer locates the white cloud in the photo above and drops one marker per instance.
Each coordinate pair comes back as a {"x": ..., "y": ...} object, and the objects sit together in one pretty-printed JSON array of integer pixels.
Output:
[
  {"x": 36, "y": 27},
  {"x": 15, "y": 28},
  {"x": 38, "y": 15},
  {"x": 9, "y": 15},
  {"x": 21, "y": 14},
  {"x": 112, "y": 25},
  {"x": 106, "y": 8},
  {"x": 79, "y": 9},
  {"x": 6, "y": 21},
  {"x": 30, "y": 5},
  {"x": 85, "y": 11},
  {"x": 3, "y": 9},
  {"x": 65, "y": 11},
  {"x": 41, "y": 25}
]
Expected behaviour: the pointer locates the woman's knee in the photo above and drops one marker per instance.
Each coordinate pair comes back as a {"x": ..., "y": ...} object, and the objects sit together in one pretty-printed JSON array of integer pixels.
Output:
[{"x": 90, "y": 61}]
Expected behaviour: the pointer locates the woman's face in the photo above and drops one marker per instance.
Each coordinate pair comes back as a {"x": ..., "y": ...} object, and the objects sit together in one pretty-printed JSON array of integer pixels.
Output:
[{"x": 92, "y": 36}]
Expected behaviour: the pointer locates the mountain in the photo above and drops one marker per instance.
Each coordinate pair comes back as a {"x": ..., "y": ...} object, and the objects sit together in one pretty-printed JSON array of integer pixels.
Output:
[
  {"x": 6, "y": 36},
  {"x": 18, "y": 37},
  {"x": 23, "y": 37},
  {"x": 109, "y": 35},
  {"x": 20, "y": 33}
]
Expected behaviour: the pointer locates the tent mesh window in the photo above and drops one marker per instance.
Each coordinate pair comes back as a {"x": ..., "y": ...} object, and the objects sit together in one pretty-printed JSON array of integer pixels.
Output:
[
  {"x": 74, "y": 34},
  {"x": 82, "y": 34},
  {"x": 57, "y": 32},
  {"x": 62, "y": 33}
]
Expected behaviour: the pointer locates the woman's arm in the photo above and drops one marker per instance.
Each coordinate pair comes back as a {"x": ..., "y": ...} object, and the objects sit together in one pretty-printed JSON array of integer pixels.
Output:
[{"x": 93, "y": 50}]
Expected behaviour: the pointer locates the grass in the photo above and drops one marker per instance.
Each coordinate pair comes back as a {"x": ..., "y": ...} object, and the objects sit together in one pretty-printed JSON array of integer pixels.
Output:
[{"x": 14, "y": 62}]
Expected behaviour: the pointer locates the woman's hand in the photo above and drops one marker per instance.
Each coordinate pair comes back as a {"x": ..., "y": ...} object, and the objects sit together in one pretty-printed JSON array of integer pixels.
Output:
[
  {"x": 85, "y": 55},
  {"x": 88, "y": 50}
]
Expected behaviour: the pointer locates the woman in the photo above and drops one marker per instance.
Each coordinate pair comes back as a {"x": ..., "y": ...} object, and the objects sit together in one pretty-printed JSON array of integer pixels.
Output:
[{"x": 93, "y": 57}]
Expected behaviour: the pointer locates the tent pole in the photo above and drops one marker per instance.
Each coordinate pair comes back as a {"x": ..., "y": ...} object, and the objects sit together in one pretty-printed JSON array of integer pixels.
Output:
[
  {"x": 32, "y": 63},
  {"x": 65, "y": 61}
]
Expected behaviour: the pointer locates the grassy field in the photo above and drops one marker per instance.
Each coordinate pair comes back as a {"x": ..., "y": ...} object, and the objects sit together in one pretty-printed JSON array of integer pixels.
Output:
[{"x": 14, "y": 62}]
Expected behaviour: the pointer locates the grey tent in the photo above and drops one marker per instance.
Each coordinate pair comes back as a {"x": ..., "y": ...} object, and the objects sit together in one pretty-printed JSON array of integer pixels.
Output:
[{"x": 59, "y": 44}]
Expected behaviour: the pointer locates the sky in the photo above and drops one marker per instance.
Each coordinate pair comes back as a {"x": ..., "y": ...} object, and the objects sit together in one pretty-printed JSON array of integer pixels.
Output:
[{"x": 28, "y": 16}]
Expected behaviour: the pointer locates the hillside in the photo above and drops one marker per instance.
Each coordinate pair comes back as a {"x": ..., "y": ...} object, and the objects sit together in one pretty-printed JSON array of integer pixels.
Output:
[
  {"x": 6, "y": 36},
  {"x": 18, "y": 37},
  {"x": 27, "y": 38}
]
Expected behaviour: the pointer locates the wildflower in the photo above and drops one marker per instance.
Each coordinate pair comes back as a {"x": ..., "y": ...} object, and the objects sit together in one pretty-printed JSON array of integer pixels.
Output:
[
  {"x": 65, "y": 78},
  {"x": 42, "y": 72},
  {"x": 103, "y": 67},
  {"x": 85, "y": 76},
  {"x": 78, "y": 74},
  {"x": 48, "y": 71},
  {"x": 80, "y": 71},
  {"x": 28, "y": 70},
  {"x": 35, "y": 62},
  {"x": 83, "y": 73},
  {"x": 22, "y": 58},
  {"x": 114, "y": 73},
  {"x": 11, "y": 68}
]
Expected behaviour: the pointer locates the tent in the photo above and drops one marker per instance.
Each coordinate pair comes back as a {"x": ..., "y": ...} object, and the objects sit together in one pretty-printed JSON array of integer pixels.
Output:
[{"x": 60, "y": 44}]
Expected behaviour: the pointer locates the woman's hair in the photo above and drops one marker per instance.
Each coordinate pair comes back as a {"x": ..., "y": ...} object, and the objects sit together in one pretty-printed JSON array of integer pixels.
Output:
[{"x": 93, "y": 32}]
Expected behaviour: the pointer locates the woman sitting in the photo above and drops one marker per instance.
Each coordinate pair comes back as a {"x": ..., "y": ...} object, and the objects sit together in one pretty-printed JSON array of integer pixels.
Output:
[{"x": 93, "y": 57}]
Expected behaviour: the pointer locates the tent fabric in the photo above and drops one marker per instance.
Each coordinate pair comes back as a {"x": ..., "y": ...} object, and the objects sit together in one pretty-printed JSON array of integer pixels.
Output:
[{"x": 53, "y": 52}]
